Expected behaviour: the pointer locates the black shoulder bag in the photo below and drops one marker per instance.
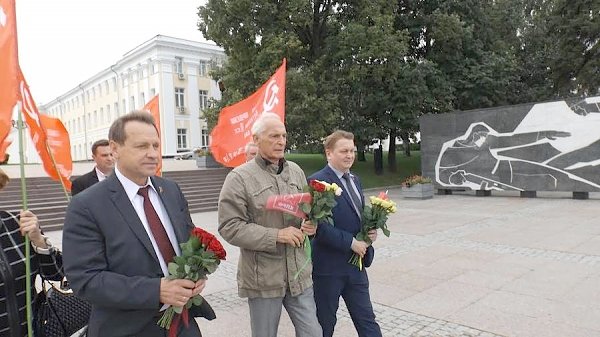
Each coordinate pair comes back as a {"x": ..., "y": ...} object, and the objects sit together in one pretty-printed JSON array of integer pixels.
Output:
[{"x": 59, "y": 312}]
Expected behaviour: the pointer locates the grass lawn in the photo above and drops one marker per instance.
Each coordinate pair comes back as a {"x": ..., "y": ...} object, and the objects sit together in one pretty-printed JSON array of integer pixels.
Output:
[{"x": 407, "y": 166}]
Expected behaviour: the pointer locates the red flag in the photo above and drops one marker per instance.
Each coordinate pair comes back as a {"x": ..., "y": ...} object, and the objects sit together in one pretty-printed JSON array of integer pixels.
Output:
[
  {"x": 49, "y": 136},
  {"x": 232, "y": 132},
  {"x": 153, "y": 108},
  {"x": 289, "y": 203},
  {"x": 9, "y": 63}
]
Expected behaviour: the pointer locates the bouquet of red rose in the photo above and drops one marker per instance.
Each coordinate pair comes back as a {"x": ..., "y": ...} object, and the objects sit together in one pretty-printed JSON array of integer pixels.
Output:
[
  {"x": 315, "y": 205},
  {"x": 373, "y": 217},
  {"x": 322, "y": 201},
  {"x": 200, "y": 256}
]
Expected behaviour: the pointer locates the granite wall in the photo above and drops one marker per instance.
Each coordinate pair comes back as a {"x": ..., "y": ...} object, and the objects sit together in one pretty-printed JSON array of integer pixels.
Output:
[{"x": 552, "y": 146}]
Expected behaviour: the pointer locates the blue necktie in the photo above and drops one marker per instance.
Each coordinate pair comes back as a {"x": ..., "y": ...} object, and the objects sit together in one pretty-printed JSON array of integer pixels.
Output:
[{"x": 355, "y": 199}]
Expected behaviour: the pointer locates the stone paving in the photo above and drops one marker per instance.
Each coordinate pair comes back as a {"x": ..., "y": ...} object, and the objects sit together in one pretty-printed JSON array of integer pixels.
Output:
[{"x": 462, "y": 265}]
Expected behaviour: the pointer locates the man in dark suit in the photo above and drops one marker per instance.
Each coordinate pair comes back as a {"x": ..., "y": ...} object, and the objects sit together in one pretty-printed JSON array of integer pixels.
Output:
[
  {"x": 333, "y": 245},
  {"x": 102, "y": 155},
  {"x": 120, "y": 235}
]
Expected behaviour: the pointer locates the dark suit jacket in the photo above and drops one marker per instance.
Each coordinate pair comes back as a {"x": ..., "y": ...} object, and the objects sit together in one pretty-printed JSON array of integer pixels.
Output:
[
  {"x": 84, "y": 181},
  {"x": 109, "y": 259},
  {"x": 331, "y": 244}
]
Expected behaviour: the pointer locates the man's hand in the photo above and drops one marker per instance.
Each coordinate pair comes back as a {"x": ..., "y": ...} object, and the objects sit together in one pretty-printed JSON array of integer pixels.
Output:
[
  {"x": 359, "y": 247},
  {"x": 29, "y": 225},
  {"x": 199, "y": 286},
  {"x": 372, "y": 235},
  {"x": 290, "y": 235},
  {"x": 308, "y": 228},
  {"x": 177, "y": 292}
]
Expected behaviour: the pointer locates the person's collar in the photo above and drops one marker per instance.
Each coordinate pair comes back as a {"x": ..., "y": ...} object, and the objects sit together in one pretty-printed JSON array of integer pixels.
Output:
[
  {"x": 131, "y": 188},
  {"x": 337, "y": 172},
  {"x": 265, "y": 164},
  {"x": 100, "y": 174}
]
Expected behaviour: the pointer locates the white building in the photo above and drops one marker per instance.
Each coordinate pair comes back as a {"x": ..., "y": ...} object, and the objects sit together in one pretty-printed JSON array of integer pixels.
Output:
[{"x": 175, "y": 69}]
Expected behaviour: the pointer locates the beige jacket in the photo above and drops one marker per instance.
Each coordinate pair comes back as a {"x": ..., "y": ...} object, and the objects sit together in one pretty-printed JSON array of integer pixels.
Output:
[{"x": 266, "y": 268}]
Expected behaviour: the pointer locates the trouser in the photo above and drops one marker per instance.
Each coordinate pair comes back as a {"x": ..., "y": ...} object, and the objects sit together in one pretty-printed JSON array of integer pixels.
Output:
[
  {"x": 266, "y": 312},
  {"x": 354, "y": 290}
]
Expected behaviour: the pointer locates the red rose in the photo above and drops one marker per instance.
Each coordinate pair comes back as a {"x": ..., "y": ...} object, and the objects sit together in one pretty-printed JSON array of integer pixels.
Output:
[
  {"x": 317, "y": 186},
  {"x": 216, "y": 247},
  {"x": 198, "y": 232}
]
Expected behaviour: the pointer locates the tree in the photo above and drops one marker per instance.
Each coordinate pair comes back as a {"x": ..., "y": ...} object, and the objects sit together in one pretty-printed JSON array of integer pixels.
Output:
[{"x": 575, "y": 65}]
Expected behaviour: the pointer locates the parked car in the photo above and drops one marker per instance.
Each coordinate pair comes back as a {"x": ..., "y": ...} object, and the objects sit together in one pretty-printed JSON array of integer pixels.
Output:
[{"x": 190, "y": 154}]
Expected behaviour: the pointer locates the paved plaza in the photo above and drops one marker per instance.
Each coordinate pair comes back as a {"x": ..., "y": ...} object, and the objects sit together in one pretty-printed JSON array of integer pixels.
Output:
[{"x": 462, "y": 265}]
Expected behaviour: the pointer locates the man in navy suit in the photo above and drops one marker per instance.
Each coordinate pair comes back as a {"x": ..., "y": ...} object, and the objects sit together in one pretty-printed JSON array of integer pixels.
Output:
[
  {"x": 102, "y": 155},
  {"x": 333, "y": 245},
  {"x": 120, "y": 234}
]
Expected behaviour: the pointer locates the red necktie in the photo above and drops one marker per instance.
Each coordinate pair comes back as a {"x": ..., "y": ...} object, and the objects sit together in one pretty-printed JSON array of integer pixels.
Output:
[{"x": 157, "y": 228}]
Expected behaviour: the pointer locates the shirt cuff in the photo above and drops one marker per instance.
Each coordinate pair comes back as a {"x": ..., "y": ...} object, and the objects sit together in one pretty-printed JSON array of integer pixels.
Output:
[{"x": 43, "y": 251}]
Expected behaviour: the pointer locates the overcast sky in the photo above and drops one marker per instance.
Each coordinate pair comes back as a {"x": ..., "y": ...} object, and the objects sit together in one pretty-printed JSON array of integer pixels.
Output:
[{"x": 64, "y": 42}]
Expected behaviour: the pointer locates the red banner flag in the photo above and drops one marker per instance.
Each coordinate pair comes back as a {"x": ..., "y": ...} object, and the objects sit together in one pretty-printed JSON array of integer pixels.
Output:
[
  {"x": 153, "y": 108},
  {"x": 232, "y": 132},
  {"x": 289, "y": 203},
  {"x": 9, "y": 63},
  {"x": 49, "y": 136}
]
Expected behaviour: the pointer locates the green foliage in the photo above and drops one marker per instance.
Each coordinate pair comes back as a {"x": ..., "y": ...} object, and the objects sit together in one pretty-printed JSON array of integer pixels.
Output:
[
  {"x": 311, "y": 163},
  {"x": 374, "y": 67},
  {"x": 575, "y": 26}
]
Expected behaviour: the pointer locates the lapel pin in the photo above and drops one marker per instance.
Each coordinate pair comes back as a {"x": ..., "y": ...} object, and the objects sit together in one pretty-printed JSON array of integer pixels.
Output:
[{"x": 160, "y": 189}]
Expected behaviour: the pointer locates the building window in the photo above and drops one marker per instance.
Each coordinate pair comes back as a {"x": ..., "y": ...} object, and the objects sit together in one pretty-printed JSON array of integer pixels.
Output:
[
  {"x": 179, "y": 97},
  {"x": 179, "y": 65},
  {"x": 131, "y": 102},
  {"x": 124, "y": 106},
  {"x": 142, "y": 99},
  {"x": 182, "y": 139},
  {"x": 117, "y": 109},
  {"x": 203, "y": 68},
  {"x": 152, "y": 92},
  {"x": 114, "y": 80},
  {"x": 204, "y": 139},
  {"x": 203, "y": 95},
  {"x": 108, "y": 117},
  {"x": 95, "y": 119}
]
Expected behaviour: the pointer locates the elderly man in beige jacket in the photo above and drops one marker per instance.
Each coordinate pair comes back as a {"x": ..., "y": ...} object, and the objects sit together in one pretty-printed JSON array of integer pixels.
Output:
[{"x": 270, "y": 244}]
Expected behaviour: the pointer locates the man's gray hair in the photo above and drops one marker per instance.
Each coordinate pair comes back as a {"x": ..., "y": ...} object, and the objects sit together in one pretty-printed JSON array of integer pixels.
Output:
[{"x": 259, "y": 124}]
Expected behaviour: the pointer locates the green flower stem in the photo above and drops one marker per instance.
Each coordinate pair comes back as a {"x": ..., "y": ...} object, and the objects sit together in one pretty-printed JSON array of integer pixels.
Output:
[{"x": 308, "y": 252}]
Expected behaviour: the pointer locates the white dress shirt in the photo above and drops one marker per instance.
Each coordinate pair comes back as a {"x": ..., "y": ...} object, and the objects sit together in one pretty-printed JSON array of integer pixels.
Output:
[
  {"x": 101, "y": 176},
  {"x": 137, "y": 201}
]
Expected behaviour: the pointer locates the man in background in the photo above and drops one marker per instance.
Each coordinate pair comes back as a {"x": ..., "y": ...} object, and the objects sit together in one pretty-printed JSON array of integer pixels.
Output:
[
  {"x": 251, "y": 151},
  {"x": 102, "y": 155}
]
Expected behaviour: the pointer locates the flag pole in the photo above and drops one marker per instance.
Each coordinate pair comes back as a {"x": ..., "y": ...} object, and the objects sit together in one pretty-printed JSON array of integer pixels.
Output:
[{"x": 27, "y": 244}]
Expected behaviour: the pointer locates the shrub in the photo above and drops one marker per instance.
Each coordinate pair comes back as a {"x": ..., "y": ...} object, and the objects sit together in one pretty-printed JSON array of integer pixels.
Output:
[{"x": 416, "y": 179}]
